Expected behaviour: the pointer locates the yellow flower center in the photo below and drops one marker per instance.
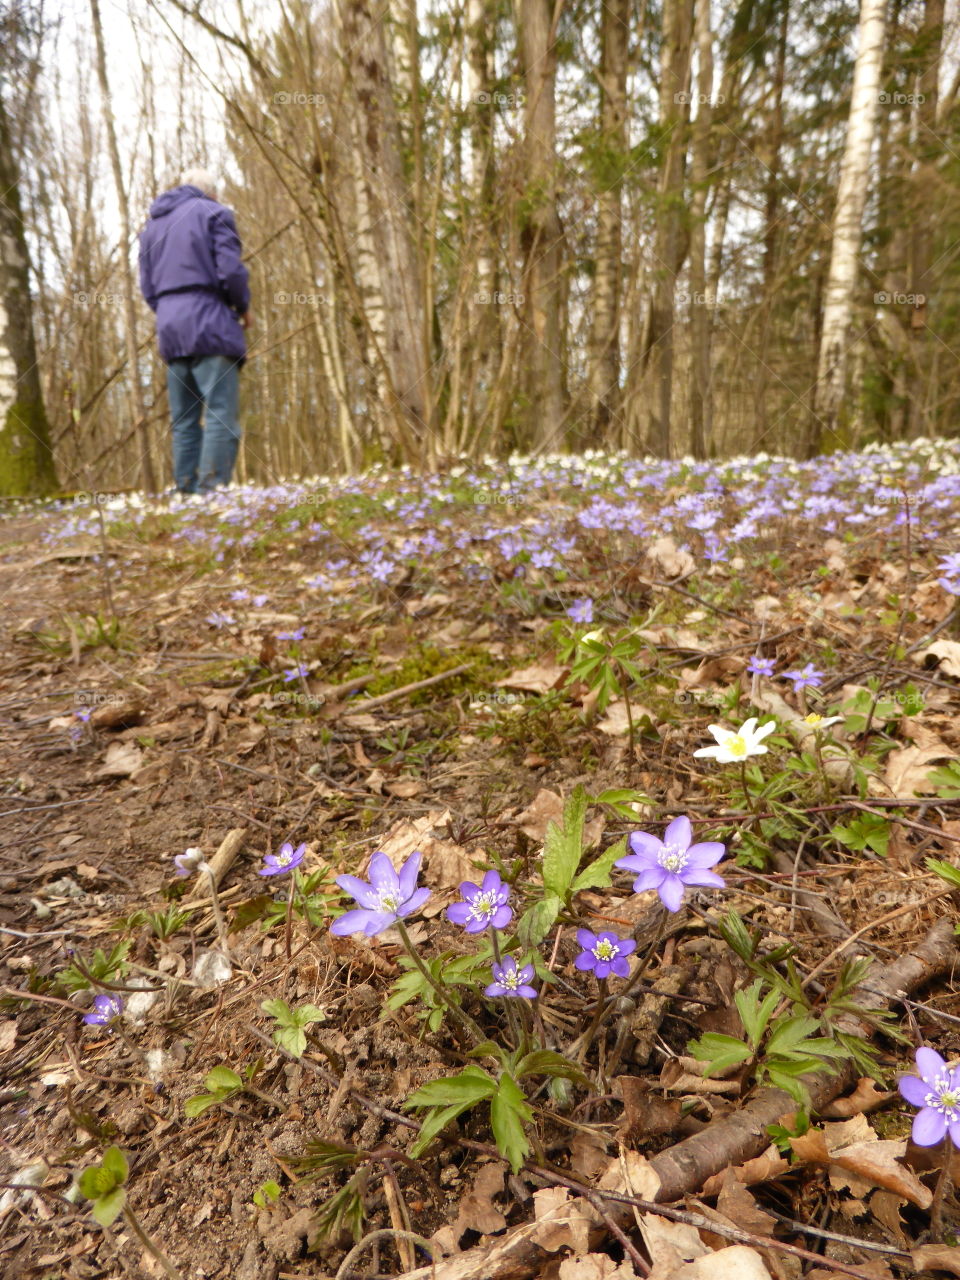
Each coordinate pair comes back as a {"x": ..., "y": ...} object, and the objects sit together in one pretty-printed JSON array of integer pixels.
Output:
[
  {"x": 812, "y": 718},
  {"x": 736, "y": 745}
]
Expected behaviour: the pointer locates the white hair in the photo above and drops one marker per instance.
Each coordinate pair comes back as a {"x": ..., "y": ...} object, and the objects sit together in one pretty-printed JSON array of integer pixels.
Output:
[{"x": 201, "y": 178}]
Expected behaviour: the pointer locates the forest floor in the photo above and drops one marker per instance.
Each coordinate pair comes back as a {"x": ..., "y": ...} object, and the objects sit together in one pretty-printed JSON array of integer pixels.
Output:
[{"x": 402, "y": 663}]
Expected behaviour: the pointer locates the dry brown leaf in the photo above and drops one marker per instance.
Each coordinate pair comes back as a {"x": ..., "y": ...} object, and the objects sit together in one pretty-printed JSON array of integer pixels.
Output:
[
  {"x": 937, "y": 1257},
  {"x": 8, "y": 1035},
  {"x": 121, "y": 761},
  {"x": 762, "y": 1168},
  {"x": 631, "y": 1174},
  {"x": 477, "y": 1211},
  {"x": 865, "y": 1098},
  {"x": 737, "y": 1262},
  {"x": 739, "y": 1207},
  {"x": 595, "y": 1266},
  {"x": 588, "y": 1155},
  {"x": 907, "y": 768},
  {"x": 561, "y": 1222},
  {"x": 667, "y": 557},
  {"x": 948, "y": 654},
  {"x": 445, "y": 863},
  {"x": 540, "y": 678},
  {"x": 865, "y": 1164},
  {"x": 616, "y": 722},
  {"x": 404, "y": 788},
  {"x": 546, "y": 807},
  {"x": 670, "y": 1244}
]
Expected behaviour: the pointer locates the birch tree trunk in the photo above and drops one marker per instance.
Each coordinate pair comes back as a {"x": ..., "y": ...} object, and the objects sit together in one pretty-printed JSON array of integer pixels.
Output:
[
  {"x": 147, "y": 478},
  {"x": 387, "y": 234},
  {"x": 847, "y": 223},
  {"x": 26, "y": 459},
  {"x": 541, "y": 232},
  {"x": 608, "y": 253}
]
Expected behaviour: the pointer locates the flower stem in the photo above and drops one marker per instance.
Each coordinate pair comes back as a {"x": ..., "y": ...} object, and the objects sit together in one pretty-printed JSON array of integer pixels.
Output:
[
  {"x": 511, "y": 1013},
  {"x": 154, "y": 1250},
  {"x": 587, "y": 1038},
  {"x": 468, "y": 1024},
  {"x": 217, "y": 913},
  {"x": 288, "y": 933}
]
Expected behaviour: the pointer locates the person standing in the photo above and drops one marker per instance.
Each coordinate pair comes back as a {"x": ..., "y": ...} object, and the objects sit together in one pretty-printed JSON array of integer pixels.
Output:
[{"x": 193, "y": 279}]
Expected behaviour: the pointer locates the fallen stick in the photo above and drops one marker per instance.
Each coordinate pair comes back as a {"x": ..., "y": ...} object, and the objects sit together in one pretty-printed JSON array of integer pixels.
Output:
[{"x": 356, "y": 708}]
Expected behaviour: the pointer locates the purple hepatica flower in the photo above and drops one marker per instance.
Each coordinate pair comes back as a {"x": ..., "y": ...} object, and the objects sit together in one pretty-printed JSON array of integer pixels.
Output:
[
  {"x": 581, "y": 610},
  {"x": 292, "y": 635},
  {"x": 483, "y": 905},
  {"x": 300, "y": 669},
  {"x": 260, "y": 601},
  {"x": 389, "y": 895},
  {"x": 218, "y": 619},
  {"x": 83, "y": 713},
  {"x": 188, "y": 862},
  {"x": 670, "y": 864},
  {"x": 510, "y": 981},
  {"x": 105, "y": 1009},
  {"x": 288, "y": 859},
  {"x": 758, "y": 666},
  {"x": 809, "y": 677},
  {"x": 604, "y": 953},
  {"x": 937, "y": 1093}
]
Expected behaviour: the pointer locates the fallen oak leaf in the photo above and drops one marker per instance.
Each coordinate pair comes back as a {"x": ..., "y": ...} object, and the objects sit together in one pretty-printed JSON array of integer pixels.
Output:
[
  {"x": 875, "y": 1162},
  {"x": 937, "y": 1257},
  {"x": 865, "y": 1098}
]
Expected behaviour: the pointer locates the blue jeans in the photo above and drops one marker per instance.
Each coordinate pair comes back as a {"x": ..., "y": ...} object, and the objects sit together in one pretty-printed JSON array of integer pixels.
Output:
[{"x": 203, "y": 457}]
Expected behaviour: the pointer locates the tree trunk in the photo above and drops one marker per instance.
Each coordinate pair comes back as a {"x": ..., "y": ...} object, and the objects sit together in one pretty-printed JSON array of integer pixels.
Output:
[
  {"x": 541, "y": 230},
  {"x": 386, "y": 230},
  {"x": 674, "y": 117},
  {"x": 26, "y": 459},
  {"x": 608, "y": 253},
  {"x": 700, "y": 306},
  {"x": 847, "y": 224},
  {"x": 147, "y": 479},
  {"x": 920, "y": 421}
]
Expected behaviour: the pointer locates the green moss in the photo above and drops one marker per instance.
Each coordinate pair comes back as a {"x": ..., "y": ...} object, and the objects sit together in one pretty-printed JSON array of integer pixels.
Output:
[
  {"x": 426, "y": 660},
  {"x": 26, "y": 462}
]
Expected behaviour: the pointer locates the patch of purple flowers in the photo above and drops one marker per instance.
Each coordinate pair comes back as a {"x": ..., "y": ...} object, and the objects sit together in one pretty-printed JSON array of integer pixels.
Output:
[
  {"x": 388, "y": 896},
  {"x": 671, "y": 864},
  {"x": 603, "y": 953},
  {"x": 483, "y": 905}
]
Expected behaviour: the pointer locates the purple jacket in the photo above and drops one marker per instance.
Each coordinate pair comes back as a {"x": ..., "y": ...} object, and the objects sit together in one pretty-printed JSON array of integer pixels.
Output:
[{"x": 192, "y": 277}]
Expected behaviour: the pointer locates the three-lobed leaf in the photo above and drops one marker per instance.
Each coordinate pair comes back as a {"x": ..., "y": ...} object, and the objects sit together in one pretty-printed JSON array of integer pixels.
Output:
[{"x": 509, "y": 1113}]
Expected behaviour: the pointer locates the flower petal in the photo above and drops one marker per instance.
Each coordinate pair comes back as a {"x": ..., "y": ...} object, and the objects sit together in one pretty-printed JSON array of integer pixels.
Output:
[
  {"x": 360, "y": 891},
  {"x": 459, "y": 913},
  {"x": 407, "y": 879},
  {"x": 913, "y": 1089},
  {"x": 527, "y": 992},
  {"x": 671, "y": 892},
  {"x": 413, "y": 903},
  {"x": 930, "y": 1064},
  {"x": 620, "y": 967},
  {"x": 382, "y": 874},
  {"x": 706, "y": 854},
  {"x": 747, "y": 728},
  {"x": 526, "y": 973},
  {"x": 491, "y": 882},
  {"x": 603, "y": 969},
  {"x": 929, "y": 1127},
  {"x": 351, "y": 922},
  {"x": 644, "y": 845},
  {"x": 501, "y": 917},
  {"x": 701, "y": 876},
  {"x": 585, "y": 938},
  {"x": 626, "y": 945},
  {"x": 652, "y": 878},
  {"x": 495, "y": 990},
  {"x": 679, "y": 832},
  {"x": 585, "y": 961},
  {"x": 713, "y": 752}
]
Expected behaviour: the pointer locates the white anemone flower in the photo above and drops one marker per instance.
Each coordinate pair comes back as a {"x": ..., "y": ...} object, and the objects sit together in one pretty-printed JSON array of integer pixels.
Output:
[
  {"x": 734, "y": 745},
  {"x": 820, "y": 722}
]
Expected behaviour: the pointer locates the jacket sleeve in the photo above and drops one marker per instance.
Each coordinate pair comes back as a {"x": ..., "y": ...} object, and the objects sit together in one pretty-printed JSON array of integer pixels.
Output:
[
  {"x": 147, "y": 287},
  {"x": 232, "y": 275}
]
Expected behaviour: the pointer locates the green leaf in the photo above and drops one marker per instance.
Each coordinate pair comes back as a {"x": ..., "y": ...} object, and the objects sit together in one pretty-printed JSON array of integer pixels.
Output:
[
  {"x": 719, "y": 1051},
  {"x": 292, "y": 1039},
  {"x": 467, "y": 1088},
  {"x": 114, "y": 1162},
  {"x": 308, "y": 1014},
  {"x": 92, "y": 1183},
  {"x": 508, "y": 1113},
  {"x": 754, "y": 1013},
  {"x": 278, "y": 1009},
  {"x": 789, "y": 1034},
  {"x": 946, "y": 779},
  {"x": 596, "y": 875},
  {"x": 196, "y": 1105},
  {"x": 620, "y": 799},
  {"x": 563, "y": 846},
  {"x": 543, "y": 1062},
  {"x": 945, "y": 870},
  {"x": 865, "y": 831},
  {"x": 537, "y": 921},
  {"x": 221, "y": 1079},
  {"x": 108, "y": 1207},
  {"x": 434, "y": 1123},
  {"x": 249, "y": 911}
]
